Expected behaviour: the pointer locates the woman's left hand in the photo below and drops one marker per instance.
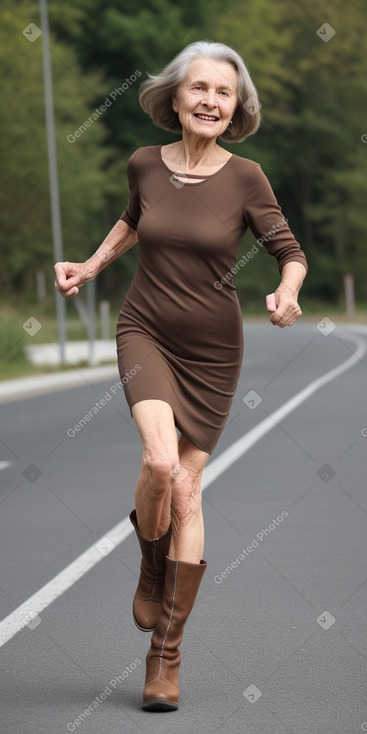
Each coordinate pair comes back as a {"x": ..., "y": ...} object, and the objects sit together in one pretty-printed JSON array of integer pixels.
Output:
[{"x": 284, "y": 307}]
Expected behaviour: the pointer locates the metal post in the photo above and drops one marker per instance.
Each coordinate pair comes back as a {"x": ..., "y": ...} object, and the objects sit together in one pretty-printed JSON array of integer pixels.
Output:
[
  {"x": 349, "y": 294},
  {"x": 91, "y": 298},
  {"x": 41, "y": 285},
  {"x": 104, "y": 310},
  {"x": 53, "y": 174}
]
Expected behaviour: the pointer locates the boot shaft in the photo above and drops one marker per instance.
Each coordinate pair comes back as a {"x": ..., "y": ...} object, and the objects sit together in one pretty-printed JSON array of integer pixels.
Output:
[
  {"x": 181, "y": 586},
  {"x": 182, "y": 581},
  {"x": 148, "y": 596}
]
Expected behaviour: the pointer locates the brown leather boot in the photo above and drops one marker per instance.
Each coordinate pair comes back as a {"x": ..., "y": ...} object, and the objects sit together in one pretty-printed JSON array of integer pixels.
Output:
[
  {"x": 147, "y": 601},
  {"x": 181, "y": 586}
]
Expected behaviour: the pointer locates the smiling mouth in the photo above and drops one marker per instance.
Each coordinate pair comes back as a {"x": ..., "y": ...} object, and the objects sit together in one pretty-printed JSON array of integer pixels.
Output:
[{"x": 211, "y": 118}]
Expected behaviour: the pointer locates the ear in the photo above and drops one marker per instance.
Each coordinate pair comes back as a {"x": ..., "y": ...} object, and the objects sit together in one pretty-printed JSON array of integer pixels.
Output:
[{"x": 174, "y": 102}]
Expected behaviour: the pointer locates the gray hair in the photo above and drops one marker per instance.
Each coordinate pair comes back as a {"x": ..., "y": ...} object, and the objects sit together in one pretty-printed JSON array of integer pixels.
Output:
[{"x": 155, "y": 93}]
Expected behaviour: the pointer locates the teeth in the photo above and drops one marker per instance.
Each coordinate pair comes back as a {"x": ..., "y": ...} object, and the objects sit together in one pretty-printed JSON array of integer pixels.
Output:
[{"x": 206, "y": 117}]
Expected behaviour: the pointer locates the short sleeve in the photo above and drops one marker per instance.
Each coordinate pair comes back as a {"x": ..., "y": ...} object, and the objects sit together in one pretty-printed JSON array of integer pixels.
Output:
[
  {"x": 131, "y": 213},
  {"x": 264, "y": 216}
]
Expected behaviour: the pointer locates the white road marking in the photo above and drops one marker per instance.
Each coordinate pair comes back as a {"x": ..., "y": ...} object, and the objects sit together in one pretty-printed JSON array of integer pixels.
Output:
[
  {"x": 20, "y": 617},
  {"x": 5, "y": 464},
  {"x": 25, "y": 614}
]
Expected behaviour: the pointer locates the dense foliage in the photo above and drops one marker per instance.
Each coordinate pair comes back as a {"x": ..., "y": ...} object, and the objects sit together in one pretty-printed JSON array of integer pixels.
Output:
[{"x": 310, "y": 144}]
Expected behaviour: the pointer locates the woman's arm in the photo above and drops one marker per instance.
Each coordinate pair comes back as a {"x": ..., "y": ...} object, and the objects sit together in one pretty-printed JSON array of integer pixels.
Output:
[
  {"x": 265, "y": 218},
  {"x": 283, "y": 303},
  {"x": 70, "y": 277}
]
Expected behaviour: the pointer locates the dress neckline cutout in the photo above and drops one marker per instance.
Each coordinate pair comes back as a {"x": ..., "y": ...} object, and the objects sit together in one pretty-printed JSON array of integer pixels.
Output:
[{"x": 206, "y": 177}]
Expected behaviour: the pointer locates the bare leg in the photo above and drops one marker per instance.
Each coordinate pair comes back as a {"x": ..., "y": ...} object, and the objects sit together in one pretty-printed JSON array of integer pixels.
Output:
[
  {"x": 187, "y": 543},
  {"x": 169, "y": 485},
  {"x": 155, "y": 422}
]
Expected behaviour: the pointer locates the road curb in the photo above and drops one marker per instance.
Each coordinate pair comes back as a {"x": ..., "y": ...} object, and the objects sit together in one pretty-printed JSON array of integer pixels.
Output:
[{"x": 28, "y": 387}]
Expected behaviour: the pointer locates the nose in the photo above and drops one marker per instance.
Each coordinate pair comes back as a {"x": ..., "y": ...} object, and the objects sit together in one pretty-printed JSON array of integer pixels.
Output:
[{"x": 209, "y": 98}]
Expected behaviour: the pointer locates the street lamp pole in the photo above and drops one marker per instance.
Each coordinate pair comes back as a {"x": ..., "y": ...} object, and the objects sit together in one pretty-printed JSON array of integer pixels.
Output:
[{"x": 53, "y": 172}]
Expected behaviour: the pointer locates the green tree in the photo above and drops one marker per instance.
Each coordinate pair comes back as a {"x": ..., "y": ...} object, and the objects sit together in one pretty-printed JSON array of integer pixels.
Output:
[
  {"x": 26, "y": 242},
  {"x": 313, "y": 96},
  {"x": 330, "y": 161},
  {"x": 312, "y": 86}
]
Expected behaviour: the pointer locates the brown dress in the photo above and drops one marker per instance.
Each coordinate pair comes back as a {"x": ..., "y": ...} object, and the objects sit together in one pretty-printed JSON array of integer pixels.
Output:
[{"x": 179, "y": 332}]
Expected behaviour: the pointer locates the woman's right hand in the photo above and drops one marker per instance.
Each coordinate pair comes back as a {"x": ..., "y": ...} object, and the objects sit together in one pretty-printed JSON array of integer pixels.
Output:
[{"x": 70, "y": 277}]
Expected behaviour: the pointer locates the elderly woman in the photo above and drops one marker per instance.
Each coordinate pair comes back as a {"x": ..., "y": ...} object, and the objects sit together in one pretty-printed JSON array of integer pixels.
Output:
[{"x": 190, "y": 205}]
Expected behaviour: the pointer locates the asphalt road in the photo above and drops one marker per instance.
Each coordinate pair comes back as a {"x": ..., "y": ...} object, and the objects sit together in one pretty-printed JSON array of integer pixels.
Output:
[{"x": 277, "y": 643}]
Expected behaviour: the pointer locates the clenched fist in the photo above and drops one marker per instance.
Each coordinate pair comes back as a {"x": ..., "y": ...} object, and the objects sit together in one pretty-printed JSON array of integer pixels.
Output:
[
  {"x": 284, "y": 307},
  {"x": 70, "y": 277}
]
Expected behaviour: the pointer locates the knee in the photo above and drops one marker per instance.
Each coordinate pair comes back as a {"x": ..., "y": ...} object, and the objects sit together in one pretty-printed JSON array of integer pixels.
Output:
[{"x": 158, "y": 472}]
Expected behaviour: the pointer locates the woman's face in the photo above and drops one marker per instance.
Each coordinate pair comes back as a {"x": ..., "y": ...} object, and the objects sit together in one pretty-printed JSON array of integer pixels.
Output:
[{"x": 207, "y": 97}]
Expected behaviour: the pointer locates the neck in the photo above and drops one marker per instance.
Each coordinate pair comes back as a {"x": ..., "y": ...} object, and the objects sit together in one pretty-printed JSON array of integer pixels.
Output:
[{"x": 196, "y": 151}]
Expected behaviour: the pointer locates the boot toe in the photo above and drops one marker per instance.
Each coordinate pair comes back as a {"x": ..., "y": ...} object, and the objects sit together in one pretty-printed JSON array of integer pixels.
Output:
[
  {"x": 146, "y": 614},
  {"x": 161, "y": 694}
]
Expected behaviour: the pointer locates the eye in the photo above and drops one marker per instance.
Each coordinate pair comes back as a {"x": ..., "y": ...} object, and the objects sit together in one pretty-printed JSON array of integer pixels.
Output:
[
  {"x": 226, "y": 94},
  {"x": 197, "y": 87}
]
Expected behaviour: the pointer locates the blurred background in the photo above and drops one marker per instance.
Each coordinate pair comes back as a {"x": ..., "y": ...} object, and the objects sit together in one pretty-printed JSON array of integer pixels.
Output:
[{"x": 308, "y": 62}]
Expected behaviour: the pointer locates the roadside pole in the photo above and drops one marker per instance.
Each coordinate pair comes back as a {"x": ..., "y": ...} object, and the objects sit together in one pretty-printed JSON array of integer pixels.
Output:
[{"x": 53, "y": 173}]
